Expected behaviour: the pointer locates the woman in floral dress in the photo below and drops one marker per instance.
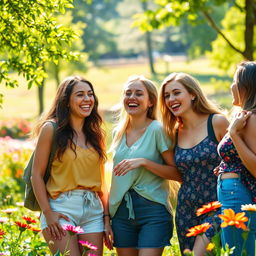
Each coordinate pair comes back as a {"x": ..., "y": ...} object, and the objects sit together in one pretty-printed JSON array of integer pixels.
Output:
[{"x": 196, "y": 126}]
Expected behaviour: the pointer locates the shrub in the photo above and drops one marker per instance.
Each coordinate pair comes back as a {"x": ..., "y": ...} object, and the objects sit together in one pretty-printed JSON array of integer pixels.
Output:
[{"x": 16, "y": 128}]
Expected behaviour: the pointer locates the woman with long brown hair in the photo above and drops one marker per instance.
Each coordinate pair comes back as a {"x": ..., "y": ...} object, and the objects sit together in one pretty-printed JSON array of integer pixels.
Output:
[
  {"x": 237, "y": 172},
  {"x": 195, "y": 125},
  {"x": 75, "y": 193}
]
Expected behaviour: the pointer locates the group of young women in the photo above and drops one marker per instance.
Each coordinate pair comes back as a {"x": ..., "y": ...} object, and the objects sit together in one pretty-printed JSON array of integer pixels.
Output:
[{"x": 194, "y": 142}]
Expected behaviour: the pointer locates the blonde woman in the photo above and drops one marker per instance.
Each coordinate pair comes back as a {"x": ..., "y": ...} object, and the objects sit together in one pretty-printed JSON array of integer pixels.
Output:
[
  {"x": 139, "y": 204},
  {"x": 195, "y": 126}
]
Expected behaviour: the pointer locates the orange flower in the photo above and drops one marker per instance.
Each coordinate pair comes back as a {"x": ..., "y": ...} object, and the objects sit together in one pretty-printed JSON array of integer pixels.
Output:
[
  {"x": 22, "y": 226},
  {"x": 208, "y": 208},
  {"x": 35, "y": 230},
  {"x": 249, "y": 207},
  {"x": 199, "y": 229},
  {"x": 210, "y": 247},
  {"x": 18, "y": 173},
  {"x": 187, "y": 252},
  {"x": 230, "y": 218},
  {"x": 28, "y": 219}
]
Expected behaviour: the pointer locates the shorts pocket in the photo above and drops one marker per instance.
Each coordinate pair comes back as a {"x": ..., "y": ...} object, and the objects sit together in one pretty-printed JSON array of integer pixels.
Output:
[{"x": 60, "y": 199}]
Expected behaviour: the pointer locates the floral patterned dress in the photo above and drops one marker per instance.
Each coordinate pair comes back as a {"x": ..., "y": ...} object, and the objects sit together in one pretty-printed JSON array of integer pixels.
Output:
[
  {"x": 231, "y": 162},
  {"x": 199, "y": 186}
]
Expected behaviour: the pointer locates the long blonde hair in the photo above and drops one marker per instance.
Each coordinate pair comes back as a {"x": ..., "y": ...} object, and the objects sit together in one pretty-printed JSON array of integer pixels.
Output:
[
  {"x": 123, "y": 119},
  {"x": 200, "y": 104}
]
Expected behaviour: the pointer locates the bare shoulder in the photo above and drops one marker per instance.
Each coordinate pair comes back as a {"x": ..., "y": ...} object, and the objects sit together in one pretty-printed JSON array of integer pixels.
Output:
[
  {"x": 47, "y": 131},
  {"x": 251, "y": 123},
  {"x": 220, "y": 120},
  {"x": 248, "y": 133},
  {"x": 220, "y": 124}
]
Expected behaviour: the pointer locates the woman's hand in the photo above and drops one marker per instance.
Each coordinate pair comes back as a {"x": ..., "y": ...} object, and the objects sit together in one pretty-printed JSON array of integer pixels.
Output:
[
  {"x": 54, "y": 228},
  {"x": 239, "y": 122},
  {"x": 127, "y": 165},
  {"x": 108, "y": 235}
]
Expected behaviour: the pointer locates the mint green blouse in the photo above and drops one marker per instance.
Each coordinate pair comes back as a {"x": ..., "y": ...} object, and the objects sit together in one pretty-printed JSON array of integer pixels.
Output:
[{"x": 150, "y": 145}]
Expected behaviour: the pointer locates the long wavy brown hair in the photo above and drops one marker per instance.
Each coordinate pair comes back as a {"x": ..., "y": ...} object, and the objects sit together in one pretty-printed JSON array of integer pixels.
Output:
[
  {"x": 200, "y": 104},
  {"x": 60, "y": 113},
  {"x": 246, "y": 83}
]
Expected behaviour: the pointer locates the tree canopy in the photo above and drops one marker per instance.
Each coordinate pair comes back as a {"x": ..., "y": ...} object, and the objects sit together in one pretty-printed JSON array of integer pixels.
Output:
[
  {"x": 31, "y": 36},
  {"x": 171, "y": 13}
]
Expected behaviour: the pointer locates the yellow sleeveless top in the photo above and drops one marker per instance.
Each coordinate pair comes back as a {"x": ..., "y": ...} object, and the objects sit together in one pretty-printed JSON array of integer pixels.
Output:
[{"x": 84, "y": 170}]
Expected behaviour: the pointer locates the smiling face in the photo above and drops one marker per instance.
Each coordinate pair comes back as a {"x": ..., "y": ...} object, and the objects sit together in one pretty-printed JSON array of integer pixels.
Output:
[
  {"x": 177, "y": 98},
  {"x": 136, "y": 99},
  {"x": 81, "y": 100}
]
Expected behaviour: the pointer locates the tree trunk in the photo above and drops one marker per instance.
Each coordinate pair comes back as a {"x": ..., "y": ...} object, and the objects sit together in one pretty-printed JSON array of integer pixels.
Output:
[
  {"x": 149, "y": 45},
  {"x": 150, "y": 52},
  {"x": 56, "y": 74},
  {"x": 250, "y": 21},
  {"x": 41, "y": 96},
  {"x": 249, "y": 29}
]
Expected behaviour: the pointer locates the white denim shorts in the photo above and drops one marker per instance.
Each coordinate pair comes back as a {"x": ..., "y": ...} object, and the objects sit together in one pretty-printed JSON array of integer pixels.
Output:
[{"x": 83, "y": 208}]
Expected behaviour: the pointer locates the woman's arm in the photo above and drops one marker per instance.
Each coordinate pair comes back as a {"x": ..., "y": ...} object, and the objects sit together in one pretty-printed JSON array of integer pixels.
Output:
[
  {"x": 42, "y": 153},
  {"x": 108, "y": 233},
  {"x": 168, "y": 171},
  {"x": 242, "y": 132}
]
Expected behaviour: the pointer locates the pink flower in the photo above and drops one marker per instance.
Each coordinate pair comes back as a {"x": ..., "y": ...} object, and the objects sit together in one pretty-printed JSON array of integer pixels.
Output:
[
  {"x": 3, "y": 219},
  {"x": 9, "y": 210},
  {"x": 72, "y": 230},
  {"x": 88, "y": 246}
]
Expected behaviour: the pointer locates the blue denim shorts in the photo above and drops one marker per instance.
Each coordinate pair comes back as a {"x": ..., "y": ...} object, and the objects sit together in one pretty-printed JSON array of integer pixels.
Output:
[
  {"x": 232, "y": 194},
  {"x": 151, "y": 228},
  {"x": 82, "y": 207}
]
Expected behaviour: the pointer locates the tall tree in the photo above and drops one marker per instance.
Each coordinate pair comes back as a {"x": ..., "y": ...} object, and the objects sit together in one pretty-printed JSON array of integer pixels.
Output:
[
  {"x": 98, "y": 38},
  {"x": 30, "y": 37},
  {"x": 170, "y": 12},
  {"x": 149, "y": 43}
]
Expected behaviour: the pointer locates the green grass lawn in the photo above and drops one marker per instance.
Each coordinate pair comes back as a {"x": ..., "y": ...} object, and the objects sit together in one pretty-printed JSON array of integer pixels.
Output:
[{"x": 108, "y": 82}]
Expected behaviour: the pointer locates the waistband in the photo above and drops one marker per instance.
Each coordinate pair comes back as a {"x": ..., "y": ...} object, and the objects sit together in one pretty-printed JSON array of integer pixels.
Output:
[
  {"x": 79, "y": 192},
  {"x": 228, "y": 175}
]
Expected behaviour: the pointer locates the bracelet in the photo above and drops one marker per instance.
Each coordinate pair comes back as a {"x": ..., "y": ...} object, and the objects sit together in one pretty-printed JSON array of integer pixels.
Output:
[{"x": 105, "y": 215}]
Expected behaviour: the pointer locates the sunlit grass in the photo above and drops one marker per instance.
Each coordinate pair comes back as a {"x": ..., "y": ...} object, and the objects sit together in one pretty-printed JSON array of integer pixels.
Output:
[{"x": 108, "y": 82}]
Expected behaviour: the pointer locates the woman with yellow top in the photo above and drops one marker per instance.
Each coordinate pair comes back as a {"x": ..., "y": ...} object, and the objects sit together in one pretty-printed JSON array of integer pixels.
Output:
[{"x": 75, "y": 193}]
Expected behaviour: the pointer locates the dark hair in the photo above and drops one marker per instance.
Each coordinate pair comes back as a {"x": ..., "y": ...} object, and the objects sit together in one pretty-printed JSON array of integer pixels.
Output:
[
  {"x": 246, "y": 83},
  {"x": 94, "y": 135}
]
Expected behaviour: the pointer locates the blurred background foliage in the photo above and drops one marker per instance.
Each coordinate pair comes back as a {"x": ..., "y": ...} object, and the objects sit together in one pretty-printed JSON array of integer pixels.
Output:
[{"x": 42, "y": 42}]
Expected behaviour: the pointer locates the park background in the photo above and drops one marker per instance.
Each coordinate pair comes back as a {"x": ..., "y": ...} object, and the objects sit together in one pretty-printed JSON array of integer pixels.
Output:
[{"x": 105, "y": 41}]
